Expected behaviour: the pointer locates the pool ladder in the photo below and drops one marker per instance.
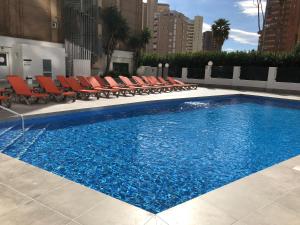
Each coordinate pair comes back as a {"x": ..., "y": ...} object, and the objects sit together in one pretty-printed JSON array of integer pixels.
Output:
[{"x": 17, "y": 114}]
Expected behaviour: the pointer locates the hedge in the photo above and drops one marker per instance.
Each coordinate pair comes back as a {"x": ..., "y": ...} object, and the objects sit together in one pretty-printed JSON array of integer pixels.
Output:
[{"x": 200, "y": 59}]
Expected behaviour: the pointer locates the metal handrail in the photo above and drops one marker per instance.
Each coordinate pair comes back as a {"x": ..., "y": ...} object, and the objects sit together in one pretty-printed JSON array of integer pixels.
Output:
[{"x": 17, "y": 114}]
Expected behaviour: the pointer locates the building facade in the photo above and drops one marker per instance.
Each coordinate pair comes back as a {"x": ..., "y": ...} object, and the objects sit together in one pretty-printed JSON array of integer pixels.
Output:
[
  {"x": 281, "y": 30},
  {"x": 34, "y": 19},
  {"x": 172, "y": 31},
  {"x": 131, "y": 10},
  {"x": 208, "y": 41}
]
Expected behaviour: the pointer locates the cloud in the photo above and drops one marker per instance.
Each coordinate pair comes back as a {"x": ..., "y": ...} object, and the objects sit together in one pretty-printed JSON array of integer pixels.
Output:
[
  {"x": 244, "y": 37},
  {"x": 240, "y": 36},
  {"x": 249, "y": 7}
]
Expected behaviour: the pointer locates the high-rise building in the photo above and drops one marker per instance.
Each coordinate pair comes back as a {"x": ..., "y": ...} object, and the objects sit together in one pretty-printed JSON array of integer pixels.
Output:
[
  {"x": 172, "y": 31},
  {"x": 281, "y": 30},
  {"x": 208, "y": 41},
  {"x": 34, "y": 19},
  {"x": 131, "y": 10}
]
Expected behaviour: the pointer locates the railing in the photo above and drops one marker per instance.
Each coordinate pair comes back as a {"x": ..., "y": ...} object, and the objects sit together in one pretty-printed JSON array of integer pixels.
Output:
[{"x": 17, "y": 114}]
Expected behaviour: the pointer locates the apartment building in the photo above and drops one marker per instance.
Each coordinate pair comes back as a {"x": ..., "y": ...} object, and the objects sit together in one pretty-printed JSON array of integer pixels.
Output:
[
  {"x": 208, "y": 41},
  {"x": 131, "y": 10},
  {"x": 281, "y": 30},
  {"x": 172, "y": 31}
]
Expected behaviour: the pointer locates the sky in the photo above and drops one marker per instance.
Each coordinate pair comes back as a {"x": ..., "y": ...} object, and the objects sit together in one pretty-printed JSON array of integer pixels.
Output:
[{"x": 242, "y": 15}]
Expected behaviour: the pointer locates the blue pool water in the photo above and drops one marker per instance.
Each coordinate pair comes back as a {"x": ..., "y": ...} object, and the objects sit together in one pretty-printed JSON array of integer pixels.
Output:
[{"x": 157, "y": 155}]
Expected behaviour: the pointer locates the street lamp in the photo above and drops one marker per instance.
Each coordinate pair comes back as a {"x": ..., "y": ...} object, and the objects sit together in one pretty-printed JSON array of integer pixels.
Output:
[
  {"x": 159, "y": 72},
  {"x": 166, "y": 71},
  {"x": 210, "y": 63}
]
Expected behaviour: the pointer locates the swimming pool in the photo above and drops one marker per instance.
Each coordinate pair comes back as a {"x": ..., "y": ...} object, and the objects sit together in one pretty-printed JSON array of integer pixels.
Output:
[{"x": 160, "y": 154}]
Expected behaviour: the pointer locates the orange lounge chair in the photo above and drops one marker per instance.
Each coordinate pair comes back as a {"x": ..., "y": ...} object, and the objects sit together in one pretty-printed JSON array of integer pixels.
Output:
[
  {"x": 97, "y": 86},
  {"x": 149, "y": 80},
  {"x": 139, "y": 81},
  {"x": 81, "y": 92},
  {"x": 106, "y": 91},
  {"x": 129, "y": 84},
  {"x": 5, "y": 100},
  {"x": 102, "y": 82},
  {"x": 188, "y": 86},
  {"x": 124, "y": 90},
  {"x": 63, "y": 82},
  {"x": 49, "y": 86},
  {"x": 24, "y": 93},
  {"x": 175, "y": 86}
]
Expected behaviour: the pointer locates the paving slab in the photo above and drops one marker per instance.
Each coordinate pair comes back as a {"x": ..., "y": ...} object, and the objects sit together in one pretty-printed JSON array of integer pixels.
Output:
[{"x": 29, "y": 195}]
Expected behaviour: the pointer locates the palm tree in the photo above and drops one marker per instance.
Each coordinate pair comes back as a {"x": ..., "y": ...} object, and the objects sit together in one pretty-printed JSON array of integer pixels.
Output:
[
  {"x": 138, "y": 43},
  {"x": 220, "y": 29},
  {"x": 115, "y": 30}
]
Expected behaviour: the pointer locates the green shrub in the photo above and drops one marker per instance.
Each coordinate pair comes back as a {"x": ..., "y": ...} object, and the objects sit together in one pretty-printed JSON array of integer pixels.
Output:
[{"x": 200, "y": 59}]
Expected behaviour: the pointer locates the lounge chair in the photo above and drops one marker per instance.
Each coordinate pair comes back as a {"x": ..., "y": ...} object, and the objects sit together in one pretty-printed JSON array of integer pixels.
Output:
[
  {"x": 175, "y": 86},
  {"x": 97, "y": 86},
  {"x": 49, "y": 86},
  {"x": 91, "y": 83},
  {"x": 154, "y": 82},
  {"x": 124, "y": 90},
  {"x": 5, "y": 100},
  {"x": 129, "y": 84},
  {"x": 23, "y": 92},
  {"x": 81, "y": 92},
  {"x": 63, "y": 82},
  {"x": 140, "y": 82},
  {"x": 188, "y": 86},
  {"x": 101, "y": 81}
]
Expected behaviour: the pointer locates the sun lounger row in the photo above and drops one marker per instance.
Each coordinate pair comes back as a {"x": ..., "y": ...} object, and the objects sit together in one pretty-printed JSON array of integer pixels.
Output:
[{"x": 84, "y": 87}]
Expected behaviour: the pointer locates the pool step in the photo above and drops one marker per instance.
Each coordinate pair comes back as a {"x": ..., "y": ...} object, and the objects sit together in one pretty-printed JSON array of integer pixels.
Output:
[
  {"x": 31, "y": 142},
  {"x": 9, "y": 141},
  {"x": 5, "y": 130}
]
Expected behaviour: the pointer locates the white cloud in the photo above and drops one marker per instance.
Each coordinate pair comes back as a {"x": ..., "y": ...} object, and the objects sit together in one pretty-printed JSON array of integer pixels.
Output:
[
  {"x": 249, "y": 7},
  {"x": 240, "y": 36},
  {"x": 244, "y": 37}
]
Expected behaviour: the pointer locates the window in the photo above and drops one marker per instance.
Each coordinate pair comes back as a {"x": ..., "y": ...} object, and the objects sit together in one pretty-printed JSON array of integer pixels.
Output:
[{"x": 47, "y": 67}]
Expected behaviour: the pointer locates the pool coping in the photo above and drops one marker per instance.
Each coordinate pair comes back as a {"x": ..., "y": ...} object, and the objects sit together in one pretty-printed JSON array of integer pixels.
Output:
[
  {"x": 22, "y": 183},
  {"x": 42, "y": 115}
]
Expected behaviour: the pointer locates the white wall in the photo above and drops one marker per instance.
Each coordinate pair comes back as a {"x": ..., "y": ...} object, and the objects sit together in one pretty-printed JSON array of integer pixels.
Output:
[
  {"x": 122, "y": 57},
  {"x": 36, "y": 51},
  {"x": 270, "y": 84}
]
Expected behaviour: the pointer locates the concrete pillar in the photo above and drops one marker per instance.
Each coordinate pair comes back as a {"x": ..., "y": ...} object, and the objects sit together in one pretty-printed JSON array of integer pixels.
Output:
[
  {"x": 236, "y": 75},
  {"x": 272, "y": 77},
  {"x": 184, "y": 73},
  {"x": 207, "y": 77}
]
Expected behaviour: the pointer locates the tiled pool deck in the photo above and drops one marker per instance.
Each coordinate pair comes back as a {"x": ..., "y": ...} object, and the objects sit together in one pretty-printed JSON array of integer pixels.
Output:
[{"x": 31, "y": 196}]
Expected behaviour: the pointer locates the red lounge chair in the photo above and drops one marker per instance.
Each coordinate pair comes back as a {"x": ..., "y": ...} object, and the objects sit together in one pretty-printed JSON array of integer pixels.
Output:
[
  {"x": 5, "y": 101},
  {"x": 49, "y": 86},
  {"x": 139, "y": 81},
  {"x": 154, "y": 82},
  {"x": 93, "y": 84},
  {"x": 188, "y": 86},
  {"x": 63, "y": 82},
  {"x": 82, "y": 93},
  {"x": 175, "y": 86},
  {"x": 97, "y": 86},
  {"x": 83, "y": 81},
  {"x": 22, "y": 90},
  {"x": 129, "y": 84},
  {"x": 102, "y": 82},
  {"x": 124, "y": 90}
]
